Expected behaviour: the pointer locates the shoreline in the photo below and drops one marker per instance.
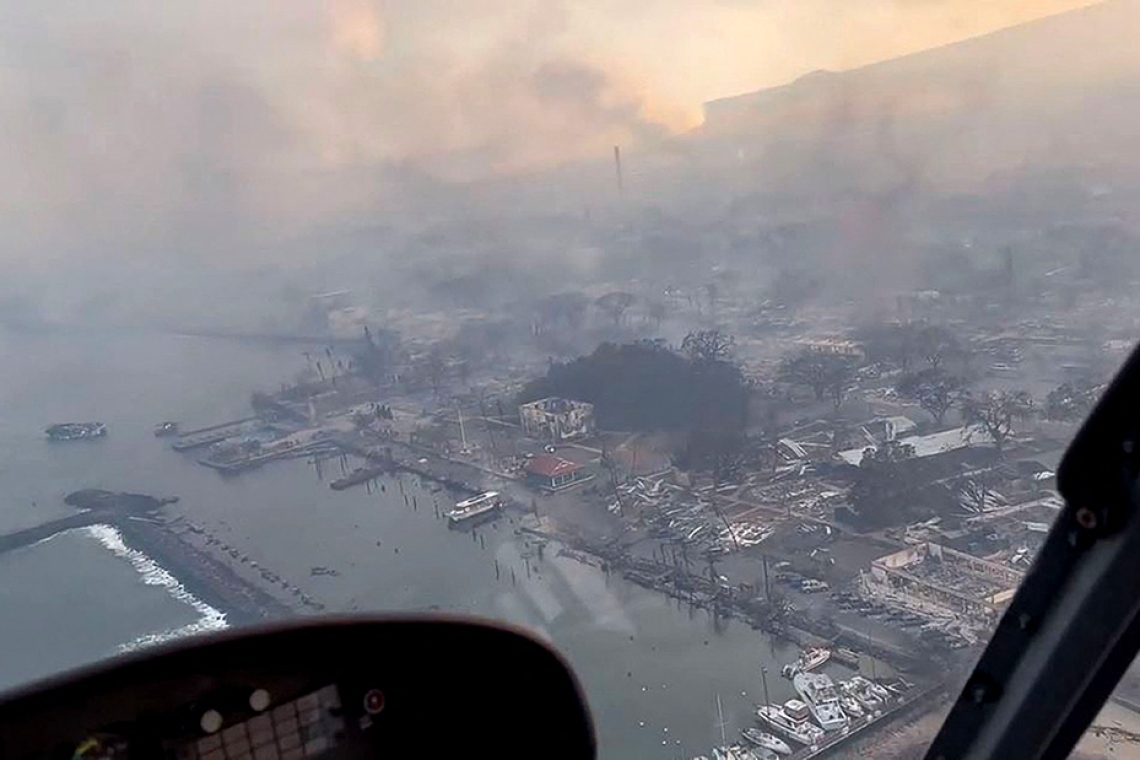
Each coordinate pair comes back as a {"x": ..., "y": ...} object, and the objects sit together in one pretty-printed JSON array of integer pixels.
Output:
[
  {"x": 205, "y": 577},
  {"x": 207, "y": 568}
]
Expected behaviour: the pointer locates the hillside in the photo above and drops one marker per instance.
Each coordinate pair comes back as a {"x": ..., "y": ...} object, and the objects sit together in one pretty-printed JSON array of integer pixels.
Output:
[{"x": 1060, "y": 91}]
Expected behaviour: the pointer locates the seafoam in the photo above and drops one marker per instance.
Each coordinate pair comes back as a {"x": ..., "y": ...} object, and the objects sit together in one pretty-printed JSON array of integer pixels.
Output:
[{"x": 153, "y": 574}]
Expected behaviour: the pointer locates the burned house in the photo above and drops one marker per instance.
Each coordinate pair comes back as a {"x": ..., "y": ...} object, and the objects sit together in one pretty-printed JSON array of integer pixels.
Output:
[{"x": 557, "y": 419}]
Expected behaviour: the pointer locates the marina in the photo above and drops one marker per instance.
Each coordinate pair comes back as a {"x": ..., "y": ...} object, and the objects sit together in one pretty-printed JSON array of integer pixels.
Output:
[
  {"x": 754, "y": 555},
  {"x": 238, "y": 447}
]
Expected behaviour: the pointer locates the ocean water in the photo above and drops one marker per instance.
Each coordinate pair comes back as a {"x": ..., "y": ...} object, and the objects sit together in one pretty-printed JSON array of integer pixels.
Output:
[
  {"x": 81, "y": 596},
  {"x": 652, "y": 669}
]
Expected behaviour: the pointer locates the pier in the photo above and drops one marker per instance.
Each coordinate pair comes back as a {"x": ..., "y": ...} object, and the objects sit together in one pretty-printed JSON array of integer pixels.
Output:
[
  {"x": 193, "y": 439},
  {"x": 834, "y": 741}
]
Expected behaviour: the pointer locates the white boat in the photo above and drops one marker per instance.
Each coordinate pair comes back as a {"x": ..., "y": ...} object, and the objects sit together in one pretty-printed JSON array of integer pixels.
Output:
[
  {"x": 475, "y": 506},
  {"x": 857, "y": 688},
  {"x": 813, "y": 658},
  {"x": 766, "y": 740},
  {"x": 818, "y": 691},
  {"x": 736, "y": 752},
  {"x": 791, "y": 720},
  {"x": 809, "y": 659},
  {"x": 850, "y": 705},
  {"x": 871, "y": 687}
]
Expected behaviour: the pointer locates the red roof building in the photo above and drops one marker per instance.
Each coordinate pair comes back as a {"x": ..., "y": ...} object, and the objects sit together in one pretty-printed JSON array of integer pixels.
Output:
[{"x": 551, "y": 472}]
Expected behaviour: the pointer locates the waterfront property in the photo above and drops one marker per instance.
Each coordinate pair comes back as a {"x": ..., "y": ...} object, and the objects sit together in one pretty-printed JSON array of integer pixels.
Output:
[
  {"x": 553, "y": 473},
  {"x": 557, "y": 419},
  {"x": 937, "y": 579}
]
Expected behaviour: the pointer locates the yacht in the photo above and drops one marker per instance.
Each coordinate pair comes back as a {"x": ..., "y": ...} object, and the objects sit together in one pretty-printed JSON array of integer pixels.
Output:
[
  {"x": 738, "y": 752},
  {"x": 791, "y": 720},
  {"x": 810, "y": 659},
  {"x": 857, "y": 689},
  {"x": 850, "y": 704},
  {"x": 871, "y": 687},
  {"x": 813, "y": 658},
  {"x": 766, "y": 741},
  {"x": 818, "y": 691},
  {"x": 473, "y": 507}
]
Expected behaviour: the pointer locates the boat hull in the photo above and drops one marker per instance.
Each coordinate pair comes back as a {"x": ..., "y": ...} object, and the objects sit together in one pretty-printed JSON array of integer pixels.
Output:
[
  {"x": 76, "y": 431},
  {"x": 786, "y": 729},
  {"x": 460, "y": 517}
]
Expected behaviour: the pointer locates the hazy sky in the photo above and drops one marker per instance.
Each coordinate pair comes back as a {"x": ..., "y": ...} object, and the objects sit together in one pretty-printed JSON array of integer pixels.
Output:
[{"x": 135, "y": 125}]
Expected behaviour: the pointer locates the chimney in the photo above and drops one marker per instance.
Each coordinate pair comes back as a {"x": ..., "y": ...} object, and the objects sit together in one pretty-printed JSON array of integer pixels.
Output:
[{"x": 617, "y": 168}]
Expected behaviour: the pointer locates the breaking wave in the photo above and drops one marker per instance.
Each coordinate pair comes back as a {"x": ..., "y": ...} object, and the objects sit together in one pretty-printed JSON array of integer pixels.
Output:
[{"x": 153, "y": 574}]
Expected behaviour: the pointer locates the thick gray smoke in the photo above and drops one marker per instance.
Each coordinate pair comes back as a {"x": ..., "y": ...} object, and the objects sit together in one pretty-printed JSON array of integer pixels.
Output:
[{"x": 149, "y": 143}]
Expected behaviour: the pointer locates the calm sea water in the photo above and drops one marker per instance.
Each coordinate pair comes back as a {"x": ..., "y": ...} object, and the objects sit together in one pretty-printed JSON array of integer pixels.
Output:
[{"x": 652, "y": 670}]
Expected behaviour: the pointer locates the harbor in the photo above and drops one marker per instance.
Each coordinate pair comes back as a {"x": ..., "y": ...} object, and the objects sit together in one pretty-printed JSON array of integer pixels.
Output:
[
  {"x": 344, "y": 490},
  {"x": 218, "y": 571},
  {"x": 758, "y": 745},
  {"x": 660, "y": 570}
]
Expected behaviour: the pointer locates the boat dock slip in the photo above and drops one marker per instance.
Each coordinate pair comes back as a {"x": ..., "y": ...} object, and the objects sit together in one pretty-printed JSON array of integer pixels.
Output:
[
  {"x": 922, "y": 700},
  {"x": 192, "y": 439},
  {"x": 241, "y": 464}
]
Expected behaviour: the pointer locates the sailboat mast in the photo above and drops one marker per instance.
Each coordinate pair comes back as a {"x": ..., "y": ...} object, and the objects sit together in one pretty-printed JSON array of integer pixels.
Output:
[
  {"x": 720, "y": 718},
  {"x": 764, "y": 680}
]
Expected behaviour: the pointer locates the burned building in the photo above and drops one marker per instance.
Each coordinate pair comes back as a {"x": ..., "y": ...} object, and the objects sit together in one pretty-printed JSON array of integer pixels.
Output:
[
  {"x": 557, "y": 419},
  {"x": 936, "y": 579}
]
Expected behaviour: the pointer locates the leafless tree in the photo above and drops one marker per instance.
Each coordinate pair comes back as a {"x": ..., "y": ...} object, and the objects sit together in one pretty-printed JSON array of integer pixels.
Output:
[
  {"x": 707, "y": 346},
  {"x": 827, "y": 375},
  {"x": 997, "y": 411},
  {"x": 972, "y": 494},
  {"x": 1071, "y": 401},
  {"x": 615, "y": 304},
  {"x": 935, "y": 344},
  {"x": 935, "y": 390}
]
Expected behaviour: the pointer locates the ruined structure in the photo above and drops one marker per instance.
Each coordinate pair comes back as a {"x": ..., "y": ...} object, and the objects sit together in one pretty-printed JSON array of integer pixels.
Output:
[{"x": 557, "y": 419}]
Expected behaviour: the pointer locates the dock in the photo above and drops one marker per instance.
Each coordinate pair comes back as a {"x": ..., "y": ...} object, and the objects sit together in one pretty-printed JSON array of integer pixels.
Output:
[
  {"x": 923, "y": 699},
  {"x": 193, "y": 439},
  {"x": 241, "y": 464}
]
